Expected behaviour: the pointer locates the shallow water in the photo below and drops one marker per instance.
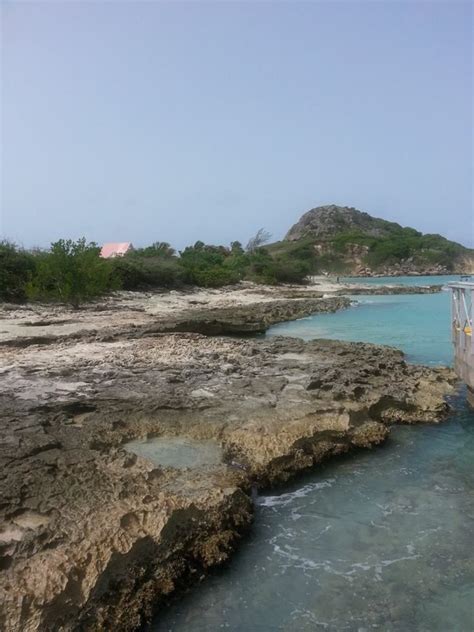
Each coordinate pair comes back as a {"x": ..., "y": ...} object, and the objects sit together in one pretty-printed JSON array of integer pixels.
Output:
[
  {"x": 403, "y": 280},
  {"x": 417, "y": 324},
  {"x": 381, "y": 540},
  {"x": 177, "y": 452}
]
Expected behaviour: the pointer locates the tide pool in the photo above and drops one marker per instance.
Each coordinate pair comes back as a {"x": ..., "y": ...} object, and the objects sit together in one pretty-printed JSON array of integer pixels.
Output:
[{"x": 380, "y": 540}]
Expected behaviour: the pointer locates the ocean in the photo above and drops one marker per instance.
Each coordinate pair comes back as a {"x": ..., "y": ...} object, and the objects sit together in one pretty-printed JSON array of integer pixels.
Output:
[{"x": 379, "y": 540}]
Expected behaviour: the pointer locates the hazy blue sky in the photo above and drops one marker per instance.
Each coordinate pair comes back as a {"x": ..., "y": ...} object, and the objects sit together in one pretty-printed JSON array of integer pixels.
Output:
[{"x": 177, "y": 121}]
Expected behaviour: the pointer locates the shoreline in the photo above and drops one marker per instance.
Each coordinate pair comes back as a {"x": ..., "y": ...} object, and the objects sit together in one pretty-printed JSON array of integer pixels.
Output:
[
  {"x": 277, "y": 407},
  {"x": 246, "y": 308}
]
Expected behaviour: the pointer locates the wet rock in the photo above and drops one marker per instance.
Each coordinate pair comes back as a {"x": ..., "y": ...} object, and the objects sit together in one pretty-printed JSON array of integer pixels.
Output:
[{"x": 94, "y": 538}]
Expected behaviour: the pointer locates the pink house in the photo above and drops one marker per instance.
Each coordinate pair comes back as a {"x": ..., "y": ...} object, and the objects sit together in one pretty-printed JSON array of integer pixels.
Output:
[{"x": 117, "y": 249}]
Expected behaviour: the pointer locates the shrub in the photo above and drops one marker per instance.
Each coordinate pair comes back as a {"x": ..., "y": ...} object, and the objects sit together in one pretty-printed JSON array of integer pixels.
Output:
[
  {"x": 129, "y": 272},
  {"x": 71, "y": 272},
  {"x": 16, "y": 270},
  {"x": 141, "y": 273},
  {"x": 215, "y": 276},
  {"x": 389, "y": 251},
  {"x": 211, "y": 266},
  {"x": 157, "y": 249},
  {"x": 291, "y": 271}
]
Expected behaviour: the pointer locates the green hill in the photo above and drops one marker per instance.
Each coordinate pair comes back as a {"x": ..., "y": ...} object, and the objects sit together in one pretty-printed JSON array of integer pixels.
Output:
[{"x": 343, "y": 240}]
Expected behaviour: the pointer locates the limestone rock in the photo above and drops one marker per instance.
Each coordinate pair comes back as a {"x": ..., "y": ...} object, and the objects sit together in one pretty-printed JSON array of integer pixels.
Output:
[{"x": 94, "y": 537}]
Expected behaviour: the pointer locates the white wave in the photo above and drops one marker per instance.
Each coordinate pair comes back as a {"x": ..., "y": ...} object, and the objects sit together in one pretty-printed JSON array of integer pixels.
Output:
[
  {"x": 303, "y": 613},
  {"x": 285, "y": 499},
  {"x": 399, "y": 559}
]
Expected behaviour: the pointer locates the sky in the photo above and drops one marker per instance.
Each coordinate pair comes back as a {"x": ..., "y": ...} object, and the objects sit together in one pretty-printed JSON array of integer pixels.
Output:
[{"x": 185, "y": 121}]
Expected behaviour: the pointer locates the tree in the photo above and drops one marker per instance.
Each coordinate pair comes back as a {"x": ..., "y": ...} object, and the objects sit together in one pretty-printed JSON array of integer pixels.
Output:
[
  {"x": 71, "y": 272},
  {"x": 157, "y": 249},
  {"x": 147, "y": 272},
  {"x": 262, "y": 237},
  {"x": 236, "y": 248}
]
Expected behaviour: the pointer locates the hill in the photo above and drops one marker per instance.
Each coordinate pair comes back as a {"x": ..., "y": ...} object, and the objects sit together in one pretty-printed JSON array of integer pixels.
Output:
[{"x": 344, "y": 240}]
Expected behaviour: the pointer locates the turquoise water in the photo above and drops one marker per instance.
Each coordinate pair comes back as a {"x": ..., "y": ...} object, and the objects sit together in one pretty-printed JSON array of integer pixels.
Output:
[
  {"x": 381, "y": 540},
  {"x": 403, "y": 280},
  {"x": 417, "y": 324}
]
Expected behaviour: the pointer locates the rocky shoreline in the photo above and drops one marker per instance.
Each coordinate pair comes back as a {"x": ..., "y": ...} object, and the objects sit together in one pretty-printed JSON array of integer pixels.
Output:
[
  {"x": 381, "y": 290},
  {"x": 248, "y": 309},
  {"x": 95, "y": 537}
]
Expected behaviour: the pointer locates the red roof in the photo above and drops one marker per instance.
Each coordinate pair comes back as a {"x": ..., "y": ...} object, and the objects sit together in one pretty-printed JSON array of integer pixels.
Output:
[{"x": 116, "y": 249}]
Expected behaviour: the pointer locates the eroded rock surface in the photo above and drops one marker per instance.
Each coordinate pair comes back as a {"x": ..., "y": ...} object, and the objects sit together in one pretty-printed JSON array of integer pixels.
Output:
[
  {"x": 242, "y": 309},
  {"x": 93, "y": 537}
]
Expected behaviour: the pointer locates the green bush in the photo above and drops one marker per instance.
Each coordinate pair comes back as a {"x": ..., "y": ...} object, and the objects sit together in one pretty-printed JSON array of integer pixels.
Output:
[
  {"x": 400, "y": 244},
  {"x": 291, "y": 271},
  {"x": 341, "y": 241},
  {"x": 160, "y": 249},
  {"x": 215, "y": 276},
  {"x": 141, "y": 273},
  {"x": 71, "y": 272},
  {"x": 129, "y": 272},
  {"x": 212, "y": 266},
  {"x": 16, "y": 269},
  {"x": 389, "y": 251}
]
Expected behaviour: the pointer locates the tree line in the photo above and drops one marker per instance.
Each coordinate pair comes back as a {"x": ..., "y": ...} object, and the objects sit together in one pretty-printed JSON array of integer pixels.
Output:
[{"x": 73, "y": 272}]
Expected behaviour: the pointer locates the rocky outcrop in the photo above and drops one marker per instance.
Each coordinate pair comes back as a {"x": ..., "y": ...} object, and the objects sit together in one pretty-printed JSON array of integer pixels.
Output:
[
  {"x": 94, "y": 537},
  {"x": 246, "y": 309},
  {"x": 325, "y": 222},
  {"x": 343, "y": 238},
  {"x": 413, "y": 267},
  {"x": 248, "y": 319}
]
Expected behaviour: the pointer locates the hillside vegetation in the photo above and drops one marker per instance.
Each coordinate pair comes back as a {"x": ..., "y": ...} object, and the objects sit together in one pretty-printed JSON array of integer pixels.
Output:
[{"x": 345, "y": 240}]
